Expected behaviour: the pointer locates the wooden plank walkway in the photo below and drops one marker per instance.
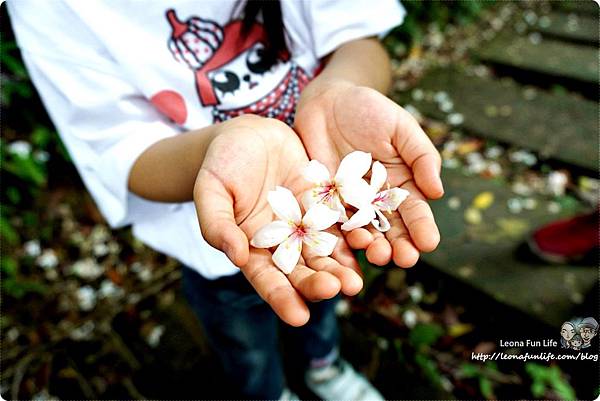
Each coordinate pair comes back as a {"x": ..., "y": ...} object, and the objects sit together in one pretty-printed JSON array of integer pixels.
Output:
[
  {"x": 573, "y": 27},
  {"x": 483, "y": 255},
  {"x": 556, "y": 125},
  {"x": 562, "y": 127},
  {"x": 549, "y": 57},
  {"x": 583, "y": 7}
]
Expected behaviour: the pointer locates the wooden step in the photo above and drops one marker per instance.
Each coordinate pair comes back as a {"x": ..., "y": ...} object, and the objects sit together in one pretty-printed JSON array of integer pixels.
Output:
[
  {"x": 484, "y": 255},
  {"x": 558, "y": 126},
  {"x": 549, "y": 57},
  {"x": 583, "y": 7},
  {"x": 569, "y": 26}
]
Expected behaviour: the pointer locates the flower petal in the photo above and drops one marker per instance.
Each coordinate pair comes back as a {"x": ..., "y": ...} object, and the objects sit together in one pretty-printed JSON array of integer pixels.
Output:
[
  {"x": 284, "y": 205},
  {"x": 287, "y": 254},
  {"x": 315, "y": 196},
  {"x": 381, "y": 223},
  {"x": 354, "y": 165},
  {"x": 336, "y": 204},
  {"x": 316, "y": 172},
  {"x": 310, "y": 197},
  {"x": 378, "y": 176},
  {"x": 319, "y": 217},
  {"x": 361, "y": 218},
  {"x": 390, "y": 199},
  {"x": 272, "y": 234},
  {"x": 357, "y": 192},
  {"x": 322, "y": 243}
]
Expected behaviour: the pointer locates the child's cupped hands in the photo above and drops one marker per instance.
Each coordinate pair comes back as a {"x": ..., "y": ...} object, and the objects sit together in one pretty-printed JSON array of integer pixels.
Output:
[
  {"x": 250, "y": 157},
  {"x": 338, "y": 118}
]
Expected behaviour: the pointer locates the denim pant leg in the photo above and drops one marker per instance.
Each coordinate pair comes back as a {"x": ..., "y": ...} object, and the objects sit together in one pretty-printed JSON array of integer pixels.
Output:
[
  {"x": 316, "y": 343},
  {"x": 242, "y": 330}
]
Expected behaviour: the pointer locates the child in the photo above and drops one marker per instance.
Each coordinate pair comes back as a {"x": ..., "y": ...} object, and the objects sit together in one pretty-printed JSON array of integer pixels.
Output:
[
  {"x": 576, "y": 342},
  {"x": 162, "y": 105}
]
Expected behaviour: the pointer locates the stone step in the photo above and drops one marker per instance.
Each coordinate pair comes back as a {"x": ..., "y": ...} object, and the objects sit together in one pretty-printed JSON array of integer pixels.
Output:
[
  {"x": 558, "y": 126},
  {"x": 550, "y": 57},
  {"x": 484, "y": 255},
  {"x": 569, "y": 26},
  {"x": 583, "y": 7}
]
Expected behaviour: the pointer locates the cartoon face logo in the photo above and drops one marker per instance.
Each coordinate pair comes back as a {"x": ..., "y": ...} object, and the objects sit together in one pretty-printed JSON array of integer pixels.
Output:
[
  {"x": 248, "y": 76},
  {"x": 587, "y": 334},
  {"x": 576, "y": 342},
  {"x": 231, "y": 71},
  {"x": 578, "y": 333},
  {"x": 567, "y": 331},
  {"x": 588, "y": 328}
]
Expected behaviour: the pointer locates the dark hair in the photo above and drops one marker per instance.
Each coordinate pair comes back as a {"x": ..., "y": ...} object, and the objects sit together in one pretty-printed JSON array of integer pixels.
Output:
[{"x": 270, "y": 10}]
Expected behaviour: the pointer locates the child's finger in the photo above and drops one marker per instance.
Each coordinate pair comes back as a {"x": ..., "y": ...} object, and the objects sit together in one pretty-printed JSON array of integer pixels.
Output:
[
  {"x": 312, "y": 285},
  {"x": 349, "y": 278},
  {"x": 415, "y": 148},
  {"x": 404, "y": 252},
  {"x": 275, "y": 288},
  {"x": 342, "y": 252},
  {"x": 214, "y": 206},
  {"x": 378, "y": 249},
  {"x": 418, "y": 219},
  {"x": 379, "y": 252},
  {"x": 359, "y": 238}
]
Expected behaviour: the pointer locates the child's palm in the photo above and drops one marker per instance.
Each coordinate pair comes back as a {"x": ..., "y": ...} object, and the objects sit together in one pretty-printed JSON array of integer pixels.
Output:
[
  {"x": 242, "y": 165},
  {"x": 356, "y": 118}
]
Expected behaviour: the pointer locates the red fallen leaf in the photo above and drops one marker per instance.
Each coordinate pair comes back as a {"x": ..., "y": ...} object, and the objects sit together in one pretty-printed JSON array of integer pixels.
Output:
[{"x": 114, "y": 276}]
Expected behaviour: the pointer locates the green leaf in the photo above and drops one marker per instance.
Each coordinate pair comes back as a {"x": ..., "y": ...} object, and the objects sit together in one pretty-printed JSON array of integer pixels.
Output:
[
  {"x": 30, "y": 219},
  {"x": 13, "y": 195},
  {"x": 485, "y": 386},
  {"x": 535, "y": 371},
  {"x": 469, "y": 370},
  {"x": 27, "y": 169},
  {"x": 18, "y": 288},
  {"x": 7, "y": 232},
  {"x": 14, "y": 66},
  {"x": 564, "y": 390},
  {"x": 41, "y": 137},
  {"x": 425, "y": 334},
  {"x": 429, "y": 368},
  {"x": 9, "y": 266},
  {"x": 538, "y": 389}
]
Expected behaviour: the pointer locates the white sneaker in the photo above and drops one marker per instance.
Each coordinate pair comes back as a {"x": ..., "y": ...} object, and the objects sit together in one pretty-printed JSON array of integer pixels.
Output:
[
  {"x": 288, "y": 395},
  {"x": 340, "y": 381}
]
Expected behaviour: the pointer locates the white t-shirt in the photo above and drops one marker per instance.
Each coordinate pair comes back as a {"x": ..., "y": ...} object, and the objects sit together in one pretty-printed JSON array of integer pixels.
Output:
[{"x": 117, "y": 76}]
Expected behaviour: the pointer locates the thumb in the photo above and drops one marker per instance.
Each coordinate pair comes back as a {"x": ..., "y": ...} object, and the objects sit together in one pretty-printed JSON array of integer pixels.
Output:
[{"x": 214, "y": 205}]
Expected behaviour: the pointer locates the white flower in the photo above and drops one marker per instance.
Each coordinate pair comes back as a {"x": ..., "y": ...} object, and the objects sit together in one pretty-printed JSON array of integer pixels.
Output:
[
  {"x": 41, "y": 156},
  {"x": 19, "y": 148},
  {"x": 86, "y": 298},
  {"x": 48, "y": 259},
  {"x": 346, "y": 185},
  {"x": 410, "y": 318},
  {"x": 32, "y": 248},
  {"x": 292, "y": 230},
  {"x": 153, "y": 338},
  {"x": 87, "y": 269},
  {"x": 373, "y": 201}
]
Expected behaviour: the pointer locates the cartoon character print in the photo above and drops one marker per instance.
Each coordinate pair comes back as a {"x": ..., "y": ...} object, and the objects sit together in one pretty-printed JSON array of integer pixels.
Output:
[{"x": 230, "y": 70}]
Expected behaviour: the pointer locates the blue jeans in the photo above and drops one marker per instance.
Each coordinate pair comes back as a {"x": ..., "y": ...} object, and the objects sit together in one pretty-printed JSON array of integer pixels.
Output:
[{"x": 243, "y": 331}]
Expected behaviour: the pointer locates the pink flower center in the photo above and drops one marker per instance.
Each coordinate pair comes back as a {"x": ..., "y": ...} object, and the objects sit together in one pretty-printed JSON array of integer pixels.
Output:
[
  {"x": 379, "y": 198},
  {"x": 299, "y": 231},
  {"x": 328, "y": 191}
]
